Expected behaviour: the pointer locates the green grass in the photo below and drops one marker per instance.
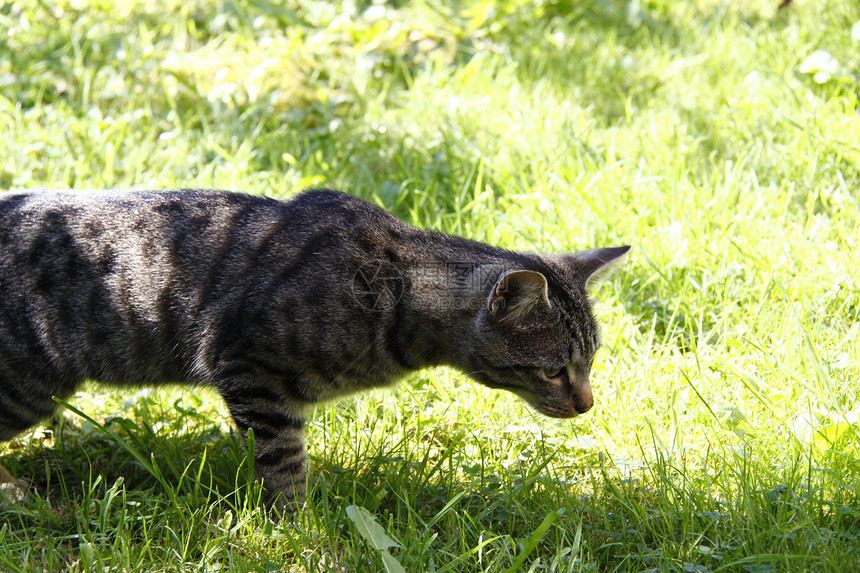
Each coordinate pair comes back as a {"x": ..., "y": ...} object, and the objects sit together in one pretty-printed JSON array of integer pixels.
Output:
[{"x": 725, "y": 435}]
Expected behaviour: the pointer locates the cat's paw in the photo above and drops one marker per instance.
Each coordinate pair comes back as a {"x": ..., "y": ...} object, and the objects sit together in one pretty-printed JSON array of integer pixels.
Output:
[
  {"x": 284, "y": 507},
  {"x": 12, "y": 490}
]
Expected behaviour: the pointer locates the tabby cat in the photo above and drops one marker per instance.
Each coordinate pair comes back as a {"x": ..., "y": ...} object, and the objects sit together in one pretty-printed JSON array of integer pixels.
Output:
[{"x": 276, "y": 304}]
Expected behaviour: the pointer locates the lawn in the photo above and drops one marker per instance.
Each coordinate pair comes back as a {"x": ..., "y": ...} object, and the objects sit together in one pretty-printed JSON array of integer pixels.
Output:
[{"x": 719, "y": 138}]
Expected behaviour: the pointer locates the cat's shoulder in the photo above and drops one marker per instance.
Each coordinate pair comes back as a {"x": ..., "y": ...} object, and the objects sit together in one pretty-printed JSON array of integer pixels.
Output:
[
  {"x": 327, "y": 204},
  {"x": 329, "y": 199}
]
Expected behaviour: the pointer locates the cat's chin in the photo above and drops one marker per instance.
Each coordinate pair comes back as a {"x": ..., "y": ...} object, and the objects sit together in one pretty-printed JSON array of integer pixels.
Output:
[{"x": 551, "y": 411}]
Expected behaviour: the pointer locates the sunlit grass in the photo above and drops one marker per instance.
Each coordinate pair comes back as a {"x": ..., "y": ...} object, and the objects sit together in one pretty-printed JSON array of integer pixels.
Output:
[{"x": 725, "y": 435}]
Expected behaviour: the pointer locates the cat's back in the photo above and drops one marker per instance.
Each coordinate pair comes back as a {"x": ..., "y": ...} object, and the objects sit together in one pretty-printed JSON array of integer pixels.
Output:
[
  {"x": 110, "y": 284},
  {"x": 91, "y": 214},
  {"x": 139, "y": 248},
  {"x": 136, "y": 233},
  {"x": 98, "y": 211}
]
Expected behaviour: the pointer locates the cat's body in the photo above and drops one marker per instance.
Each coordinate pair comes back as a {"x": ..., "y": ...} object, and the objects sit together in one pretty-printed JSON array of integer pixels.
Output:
[{"x": 276, "y": 304}]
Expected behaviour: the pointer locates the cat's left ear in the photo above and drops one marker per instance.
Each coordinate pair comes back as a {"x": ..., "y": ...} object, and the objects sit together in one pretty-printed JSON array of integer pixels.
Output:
[
  {"x": 518, "y": 294},
  {"x": 589, "y": 265}
]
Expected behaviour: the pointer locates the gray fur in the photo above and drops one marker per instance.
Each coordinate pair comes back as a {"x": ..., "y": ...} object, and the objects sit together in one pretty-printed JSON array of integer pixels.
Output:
[{"x": 277, "y": 305}]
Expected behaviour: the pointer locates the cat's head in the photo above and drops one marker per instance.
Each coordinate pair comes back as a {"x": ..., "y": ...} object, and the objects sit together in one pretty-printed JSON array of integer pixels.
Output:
[{"x": 536, "y": 335}]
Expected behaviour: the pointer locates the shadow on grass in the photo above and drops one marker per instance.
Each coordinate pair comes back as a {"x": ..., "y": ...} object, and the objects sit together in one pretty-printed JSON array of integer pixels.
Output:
[
  {"x": 89, "y": 490},
  {"x": 194, "y": 469}
]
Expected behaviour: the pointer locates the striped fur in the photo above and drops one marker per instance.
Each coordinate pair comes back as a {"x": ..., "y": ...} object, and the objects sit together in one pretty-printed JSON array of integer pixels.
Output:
[{"x": 276, "y": 304}]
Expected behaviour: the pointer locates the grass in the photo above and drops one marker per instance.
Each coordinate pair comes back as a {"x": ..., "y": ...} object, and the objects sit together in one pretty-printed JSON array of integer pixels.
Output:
[{"x": 725, "y": 435}]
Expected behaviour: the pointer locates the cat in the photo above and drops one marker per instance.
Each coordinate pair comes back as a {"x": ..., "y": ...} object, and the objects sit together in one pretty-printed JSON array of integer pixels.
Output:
[{"x": 277, "y": 305}]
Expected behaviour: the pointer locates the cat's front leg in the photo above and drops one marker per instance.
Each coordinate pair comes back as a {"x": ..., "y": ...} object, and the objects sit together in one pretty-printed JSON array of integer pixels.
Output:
[{"x": 279, "y": 448}]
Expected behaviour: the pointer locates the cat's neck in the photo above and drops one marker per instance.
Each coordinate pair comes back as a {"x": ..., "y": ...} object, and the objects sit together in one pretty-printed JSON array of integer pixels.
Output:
[{"x": 438, "y": 310}]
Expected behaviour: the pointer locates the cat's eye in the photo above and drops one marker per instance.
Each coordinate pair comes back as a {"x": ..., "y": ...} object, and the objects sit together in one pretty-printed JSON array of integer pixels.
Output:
[{"x": 551, "y": 372}]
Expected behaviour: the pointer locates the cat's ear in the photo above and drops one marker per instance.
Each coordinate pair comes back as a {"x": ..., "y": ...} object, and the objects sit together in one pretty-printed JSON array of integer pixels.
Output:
[
  {"x": 518, "y": 294},
  {"x": 589, "y": 265}
]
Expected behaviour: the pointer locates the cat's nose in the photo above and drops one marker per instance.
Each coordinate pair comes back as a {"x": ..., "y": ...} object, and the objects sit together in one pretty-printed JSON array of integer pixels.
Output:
[
  {"x": 583, "y": 399},
  {"x": 583, "y": 407}
]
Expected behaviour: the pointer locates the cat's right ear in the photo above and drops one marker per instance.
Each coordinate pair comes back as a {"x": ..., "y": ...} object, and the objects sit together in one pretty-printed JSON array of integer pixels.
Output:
[
  {"x": 518, "y": 294},
  {"x": 588, "y": 265}
]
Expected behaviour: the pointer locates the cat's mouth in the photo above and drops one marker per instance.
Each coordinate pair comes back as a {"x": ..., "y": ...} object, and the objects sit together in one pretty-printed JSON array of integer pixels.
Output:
[
  {"x": 554, "y": 407},
  {"x": 562, "y": 410}
]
